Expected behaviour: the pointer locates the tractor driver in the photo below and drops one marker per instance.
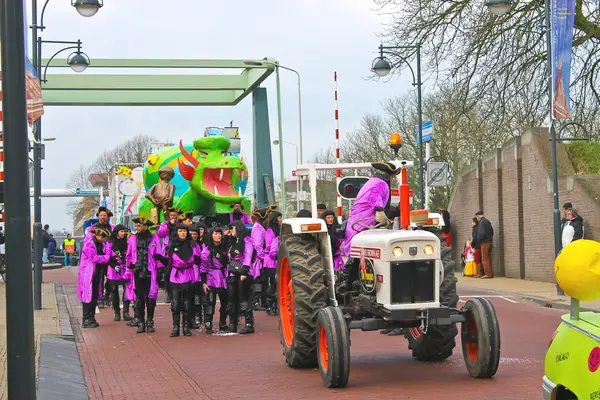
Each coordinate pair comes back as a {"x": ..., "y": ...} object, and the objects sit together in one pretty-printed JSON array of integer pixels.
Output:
[{"x": 369, "y": 208}]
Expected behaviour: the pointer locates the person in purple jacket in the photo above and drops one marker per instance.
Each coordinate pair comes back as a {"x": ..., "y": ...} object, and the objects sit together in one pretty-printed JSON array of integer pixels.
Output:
[
  {"x": 213, "y": 271},
  {"x": 116, "y": 275},
  {"x": 197, "y": 231},
  {"x": 103, "y": 215},
  {"x": 238, "y": 215},
  {"x": 184, "y": 260},
  {"x": 239, "y": 284},
  {"x": 142, "y": 249},
  {"x": 167, "y": 231},
  {"x": 94, "y": 255},
  {"x": 270, "y": 262},
  {"x": 258, "y": 241}
]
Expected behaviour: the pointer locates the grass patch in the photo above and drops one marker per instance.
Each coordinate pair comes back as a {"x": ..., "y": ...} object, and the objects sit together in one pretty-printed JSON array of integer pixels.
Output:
[{"x": 585, "y": 157}]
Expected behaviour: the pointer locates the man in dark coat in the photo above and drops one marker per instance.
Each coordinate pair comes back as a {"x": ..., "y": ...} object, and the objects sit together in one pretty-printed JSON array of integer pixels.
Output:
[{"x": 485, "y": 236}]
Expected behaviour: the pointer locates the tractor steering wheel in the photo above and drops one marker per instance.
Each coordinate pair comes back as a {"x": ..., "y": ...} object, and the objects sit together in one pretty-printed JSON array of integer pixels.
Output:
[{"x": 366, "y": 227}]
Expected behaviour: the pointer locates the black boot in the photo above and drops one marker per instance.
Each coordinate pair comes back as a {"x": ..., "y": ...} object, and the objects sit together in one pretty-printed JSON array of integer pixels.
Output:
[
  {"x": 186, "y": 328},
  {"x": 126, "y": 316},
  {"x": 208, "y": 324},
  {"x": 133, "y": 322},
  {"x": 176, "y": 323},
  {"x": 249, "y": 319},
  {"x": 88, "y": 316},
  {"x": 233, "y": 323},
  {"x": 140, "y": 308},
  {"x": 141, "y": 328},
  {"x": 151, "y": 306}
]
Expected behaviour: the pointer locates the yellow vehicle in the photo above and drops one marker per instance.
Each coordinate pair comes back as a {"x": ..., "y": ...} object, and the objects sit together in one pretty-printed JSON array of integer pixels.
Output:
[{"x": 572, "y": 367}]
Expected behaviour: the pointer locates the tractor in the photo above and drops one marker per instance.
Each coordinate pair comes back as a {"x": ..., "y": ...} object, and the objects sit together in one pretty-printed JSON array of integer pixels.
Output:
[{"x": 406, "y": 280}]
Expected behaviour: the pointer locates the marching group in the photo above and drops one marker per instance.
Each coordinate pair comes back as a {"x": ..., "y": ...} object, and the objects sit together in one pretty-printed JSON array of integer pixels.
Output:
[{"x": 197, "y": 265}]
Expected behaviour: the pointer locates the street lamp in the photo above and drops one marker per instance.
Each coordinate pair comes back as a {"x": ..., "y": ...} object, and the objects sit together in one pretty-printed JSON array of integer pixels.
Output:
[
  {"x": 78, "y": 60},
  {"x": 276, "y": 143},
  {"x": 499, "y": 7},
  {"x": 87, "y": 8},
  {"x": 382, "y": 67},
  {"x": 277, "y": 66}
]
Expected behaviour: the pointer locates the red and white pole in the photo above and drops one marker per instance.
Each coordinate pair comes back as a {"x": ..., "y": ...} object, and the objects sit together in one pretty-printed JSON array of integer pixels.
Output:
[{"x": 338, "y": 173}]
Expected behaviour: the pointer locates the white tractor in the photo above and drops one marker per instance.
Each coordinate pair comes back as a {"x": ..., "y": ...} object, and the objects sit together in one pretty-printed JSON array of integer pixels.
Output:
[{"x": 406, "y": 280}]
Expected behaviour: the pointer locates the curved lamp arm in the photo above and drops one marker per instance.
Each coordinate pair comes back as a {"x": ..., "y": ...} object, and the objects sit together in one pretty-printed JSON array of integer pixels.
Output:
[
  {"x": 55, "y": 54},
  {"x": 588, "y": 134},
  {"x": 383, "y": 51}
]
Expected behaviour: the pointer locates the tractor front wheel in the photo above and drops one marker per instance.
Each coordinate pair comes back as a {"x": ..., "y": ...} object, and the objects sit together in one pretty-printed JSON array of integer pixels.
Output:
[
  {"x": 333, "y": 347},
  {"x": 480, "y": 336},
  {"x": 302, "y": 295}
]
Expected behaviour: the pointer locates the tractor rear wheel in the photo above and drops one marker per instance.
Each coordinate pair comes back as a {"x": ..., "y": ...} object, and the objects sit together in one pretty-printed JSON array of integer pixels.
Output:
[
  {"x": 480, "y": 336},
  {"x": 302, "y": 295},
  {"x": 439, "y": 341},
  {"x": 333, "y": 348}
]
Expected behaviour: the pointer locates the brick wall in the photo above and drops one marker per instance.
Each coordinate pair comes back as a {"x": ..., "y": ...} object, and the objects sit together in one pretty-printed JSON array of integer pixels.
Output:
[{"x": 513, "y": 187}]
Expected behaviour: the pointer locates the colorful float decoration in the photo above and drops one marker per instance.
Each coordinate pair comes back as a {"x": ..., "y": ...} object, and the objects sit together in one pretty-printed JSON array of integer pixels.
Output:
[{"x": 209, "y": 174}]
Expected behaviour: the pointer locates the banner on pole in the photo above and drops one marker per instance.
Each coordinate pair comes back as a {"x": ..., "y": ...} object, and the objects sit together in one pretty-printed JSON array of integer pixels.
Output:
[{"x": 562, "y": 22}]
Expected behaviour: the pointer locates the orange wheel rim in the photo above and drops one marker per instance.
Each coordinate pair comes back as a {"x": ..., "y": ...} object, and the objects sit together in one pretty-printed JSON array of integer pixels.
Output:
[
  {"x": 286, "y": 301},
  {"x": 473, "y": 345},
  {"x": 323, "y": 354}
]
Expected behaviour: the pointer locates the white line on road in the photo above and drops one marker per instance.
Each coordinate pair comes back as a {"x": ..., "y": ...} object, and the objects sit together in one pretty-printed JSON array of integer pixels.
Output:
[{"x": 494, "y": 296}]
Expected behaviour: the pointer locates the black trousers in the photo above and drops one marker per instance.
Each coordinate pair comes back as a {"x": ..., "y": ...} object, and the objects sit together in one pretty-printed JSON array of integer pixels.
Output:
[
  {"x": 142, "y": 302},
  {"x": 168, "y": 279},
  {"x": 239, "y": 295},
  {"x": 114, "y": 291},
  {"x": 182, "y": 304},
  {"x": 351, "y": 270},
  {"x": 209, "y": 309},
  {"x": 89, "y": 309},
  {"x": 269, "y": 287},
  {"x": 199, "y": 302}
]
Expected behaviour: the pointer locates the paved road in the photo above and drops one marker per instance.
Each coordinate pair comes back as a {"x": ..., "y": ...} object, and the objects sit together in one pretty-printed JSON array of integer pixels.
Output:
[{"x": 122, "y": 365}]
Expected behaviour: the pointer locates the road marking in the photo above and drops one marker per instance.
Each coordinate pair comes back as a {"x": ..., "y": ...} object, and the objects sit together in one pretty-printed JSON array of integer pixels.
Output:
[{"x": 494, "y": 296}]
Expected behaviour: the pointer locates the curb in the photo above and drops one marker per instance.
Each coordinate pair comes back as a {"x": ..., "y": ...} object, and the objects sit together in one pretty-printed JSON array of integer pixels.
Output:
[{"x": 543, "y": 301}]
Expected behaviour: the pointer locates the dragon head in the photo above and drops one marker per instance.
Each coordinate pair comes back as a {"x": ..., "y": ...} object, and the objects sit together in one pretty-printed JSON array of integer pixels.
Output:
[{"x": 215, "y": 172}]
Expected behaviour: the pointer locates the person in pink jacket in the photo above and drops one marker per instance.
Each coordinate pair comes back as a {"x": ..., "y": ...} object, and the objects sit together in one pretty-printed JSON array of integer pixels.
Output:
[
  {"x": 167, "y": 232},
  {"x": 258, "y": 241},
  {"x": 103, "y": 215},
  {"x": 94, "y": 254},
  {"x": 239, "y": 284},
  {"x": 238, "y": 214},
  {"x": 184, "y": 260},
  {"x": 270, "y": 262},
  {"x": 142, "y": 249},
  {"x": 116, "y": 275},
  {"x": 213, "y": 274}
]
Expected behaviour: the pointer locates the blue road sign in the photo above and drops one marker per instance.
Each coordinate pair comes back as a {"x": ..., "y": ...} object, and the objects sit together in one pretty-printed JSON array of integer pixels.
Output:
[{"x": 427, "y": 132}]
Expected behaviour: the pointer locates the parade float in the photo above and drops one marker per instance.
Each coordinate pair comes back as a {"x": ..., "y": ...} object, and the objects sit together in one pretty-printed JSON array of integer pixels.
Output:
[{"x": 206, "y": 177}]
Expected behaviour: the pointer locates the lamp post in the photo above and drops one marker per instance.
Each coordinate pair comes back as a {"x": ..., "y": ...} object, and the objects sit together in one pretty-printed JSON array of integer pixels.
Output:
[
  {"x": 276, "y": 143},
  {"x": 277, "y": 65},
  {"x": 502, "y": 7},
  {"x": 382, "y": 67},
  {"x": 86, "y": 8}
]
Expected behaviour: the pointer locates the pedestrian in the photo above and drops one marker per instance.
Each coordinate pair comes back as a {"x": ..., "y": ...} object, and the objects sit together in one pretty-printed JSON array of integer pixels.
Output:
[
  {"x": 333, "y": 227},
  {"x": 94, "y": 255},
  {"x": 270, "y": 262},
  {"x": 239, "y": 283},
  {"x": 184, "y": 260},
  {"x": 45, "y": 243},
  {"x": 237, "y": 214},
  {"x": 485, "y": 235},
  {"x": 141, "y": 249},
  {"x": 573, "y": 227},
  {"x": 469, "y": 256},
  {"x": 197, "y": 231},
  {"x": 476, "y": 247},
  {"x": 213, "y": 272},
  {"x": 168, "y": 233},
  {"x": 117, "y": 273},
  {"x": 69, "y": 248},
  {"x": 51, "y": 246},
  {"x": 321, "y": 208},
  {"x": 258, "y": 241},
  {"x": 304, "y": 214},
  {"x": 447, "y": 228},
  {"x": 103, "y": 215}
]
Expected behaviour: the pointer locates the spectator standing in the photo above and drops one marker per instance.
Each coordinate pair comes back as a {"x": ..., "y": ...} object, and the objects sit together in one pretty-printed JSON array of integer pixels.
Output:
[
  {"x": 45, "y": 242},
  {"x": 51, "y": 246},
  {"x": 476, "y": 247},
  {"x": 572, "y": 228},
  {"x": 485, "y": 235},
  {"x": 69, "y": 249}
]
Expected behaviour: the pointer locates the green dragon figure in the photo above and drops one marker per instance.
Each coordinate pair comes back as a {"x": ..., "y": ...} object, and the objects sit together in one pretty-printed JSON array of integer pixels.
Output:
[{"x": 212, "y": 176}]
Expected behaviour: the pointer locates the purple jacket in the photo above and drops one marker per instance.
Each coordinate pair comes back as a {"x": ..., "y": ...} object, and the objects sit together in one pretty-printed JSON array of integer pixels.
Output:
[
  {"x": 244, "y": 257},
  {"x": 164, "y": 232},
  {"x": 375, "y": 193},
  {"x": 185, "y": 271},
  {"x": 215, "y": 269},
  {"x": 112, "y": 274},
  {"x": 258, "y": 241},
  {"x": 338, "y": 261},
  {"x": 131, "y": 257},
  {"x": 87, "y": 269},
  {"x": 245, "y": 218},
  {"x": 271, "y": 244}
]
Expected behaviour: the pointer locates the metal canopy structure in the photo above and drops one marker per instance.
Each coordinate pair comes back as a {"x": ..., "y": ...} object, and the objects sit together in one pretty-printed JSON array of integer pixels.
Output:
[{"x": 88, "y": 89}]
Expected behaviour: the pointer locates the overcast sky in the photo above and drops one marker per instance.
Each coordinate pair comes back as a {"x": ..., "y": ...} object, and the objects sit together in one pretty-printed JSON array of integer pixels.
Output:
[{"x": 314, "y": 37}]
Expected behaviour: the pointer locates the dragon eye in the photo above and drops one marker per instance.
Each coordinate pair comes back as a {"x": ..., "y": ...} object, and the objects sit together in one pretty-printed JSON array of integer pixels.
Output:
[{"x": 202, "y": 154}]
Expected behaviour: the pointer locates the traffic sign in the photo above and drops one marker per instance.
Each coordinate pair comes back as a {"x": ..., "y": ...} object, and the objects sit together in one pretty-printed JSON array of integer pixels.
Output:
[
  {"x": 87, "y": 192},
  {"x": 437, "y": 174},
  {"x": 427, "y": 132},
  {"x": 349, "y": 186}
]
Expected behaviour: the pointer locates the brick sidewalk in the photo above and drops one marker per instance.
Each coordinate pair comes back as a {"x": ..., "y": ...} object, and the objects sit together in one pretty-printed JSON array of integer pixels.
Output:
[
  {"x": 532, "y": 290},
  {"x": 46, "y": 323}
]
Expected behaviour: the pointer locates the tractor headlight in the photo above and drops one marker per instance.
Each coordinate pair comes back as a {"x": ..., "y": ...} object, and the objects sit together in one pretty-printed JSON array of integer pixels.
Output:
[
  {"x": 428, "y": 250},
  {"x": 397, "y": 251}
]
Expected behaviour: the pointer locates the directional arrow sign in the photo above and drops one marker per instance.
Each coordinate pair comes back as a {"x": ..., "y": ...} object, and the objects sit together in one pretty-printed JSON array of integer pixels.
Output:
[
  {"x": 78, "y": 191},
  {"x": 437, "y": 174}
]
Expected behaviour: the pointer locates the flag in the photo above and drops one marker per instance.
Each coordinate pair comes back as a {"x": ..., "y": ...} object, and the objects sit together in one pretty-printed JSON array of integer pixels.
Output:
[{"x": 562, "y": 22}]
